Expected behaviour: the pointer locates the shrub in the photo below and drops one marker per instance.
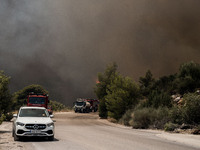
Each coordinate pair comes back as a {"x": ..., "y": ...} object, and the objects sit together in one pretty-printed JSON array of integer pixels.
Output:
[
  {"x": 150, "y": 117},
  {"x": 57, "y": 106},
  {"x": 162, "y": 117},
  {"x": 191, "y": 107},
  {"x": 196, "y": 130},
  {"x": 143, "y": 118},
  {"x": 176, "y": 115},
  {"x": 159, "y": 98},
  {"x": 126, "y": 118},
  {"x": 170, "y": 126},
  {"x": 8, "y": 116},
  {"x": 2, "y": 117}
]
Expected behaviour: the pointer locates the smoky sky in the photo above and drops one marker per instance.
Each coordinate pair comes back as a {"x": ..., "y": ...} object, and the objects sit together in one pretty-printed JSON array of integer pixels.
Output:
[{"x": 63, "y": 44}]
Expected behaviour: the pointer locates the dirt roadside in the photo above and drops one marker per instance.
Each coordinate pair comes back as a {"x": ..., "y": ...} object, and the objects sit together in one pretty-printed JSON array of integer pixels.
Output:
[{"x": 6, "y": 140}]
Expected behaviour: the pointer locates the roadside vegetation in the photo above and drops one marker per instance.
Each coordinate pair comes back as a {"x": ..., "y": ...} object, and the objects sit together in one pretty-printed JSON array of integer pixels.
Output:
[
  {"x": 5, "y": 96},
  {"x": 170, "y": 102},
  {"x": 57, "y": 106}
]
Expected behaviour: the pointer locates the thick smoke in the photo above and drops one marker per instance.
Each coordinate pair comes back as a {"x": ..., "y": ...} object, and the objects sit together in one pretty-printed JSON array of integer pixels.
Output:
[{"x": 63, "y": 44}]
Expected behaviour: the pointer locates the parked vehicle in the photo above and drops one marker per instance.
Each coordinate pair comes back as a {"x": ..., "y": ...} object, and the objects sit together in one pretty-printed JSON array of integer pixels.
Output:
[
  {"x": 50, "y": 110},
  {"x": 94, "y": 104},
  {"x": 82, "y": 106},
  {"x": 33, "y": 121},
  {"x": 38, "y": 100}
]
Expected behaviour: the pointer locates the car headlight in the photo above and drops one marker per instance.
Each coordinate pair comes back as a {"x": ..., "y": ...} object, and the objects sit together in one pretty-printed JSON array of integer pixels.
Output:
[
  {"x": 50, "y": 124},
  {"x": 20, "y": 124}
]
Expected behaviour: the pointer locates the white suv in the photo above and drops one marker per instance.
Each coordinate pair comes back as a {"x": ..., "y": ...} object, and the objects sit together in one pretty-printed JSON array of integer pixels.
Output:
[{"x": 33, "y": 121}]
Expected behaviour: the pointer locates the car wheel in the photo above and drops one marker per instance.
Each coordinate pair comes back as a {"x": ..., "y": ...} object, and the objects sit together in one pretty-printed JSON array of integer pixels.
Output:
[
  {"x": 16, "y": 138},
  {"x": 51, "y": 138},
  {"x": 95, "y": 109},
  {"x": 13, "y": 133}
]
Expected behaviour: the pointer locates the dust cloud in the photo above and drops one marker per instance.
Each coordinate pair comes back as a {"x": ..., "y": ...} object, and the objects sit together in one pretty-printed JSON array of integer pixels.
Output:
[{"x": 63, "y": 44}]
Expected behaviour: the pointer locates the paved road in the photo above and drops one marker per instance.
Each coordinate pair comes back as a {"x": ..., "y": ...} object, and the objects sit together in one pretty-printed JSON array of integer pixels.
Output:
[{"x": 87, "y": 132}]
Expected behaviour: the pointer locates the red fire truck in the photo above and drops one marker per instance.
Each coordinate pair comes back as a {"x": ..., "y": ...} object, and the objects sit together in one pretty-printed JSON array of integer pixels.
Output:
[
  {"x": 94, "y": 104},
  {"x": 37, "y": 100}
]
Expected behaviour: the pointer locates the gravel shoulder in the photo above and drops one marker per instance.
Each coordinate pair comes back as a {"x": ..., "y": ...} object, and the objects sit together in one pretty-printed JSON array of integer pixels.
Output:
[
  {"x": 187, "y": 139},
  {"x": 182, "y": 138},
  {"x": 6, "y": 140}
]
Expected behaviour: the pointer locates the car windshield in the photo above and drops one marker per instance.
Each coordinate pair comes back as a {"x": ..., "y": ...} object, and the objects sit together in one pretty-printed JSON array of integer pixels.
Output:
[
  {"x": 36, "y": 100},
  {"x": 79, "y": 103},
  {"x": 33, "y": 113}
]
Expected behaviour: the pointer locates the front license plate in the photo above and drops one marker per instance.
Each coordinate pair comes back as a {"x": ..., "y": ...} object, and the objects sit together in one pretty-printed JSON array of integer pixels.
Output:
[{"x": 35, "y": 131}]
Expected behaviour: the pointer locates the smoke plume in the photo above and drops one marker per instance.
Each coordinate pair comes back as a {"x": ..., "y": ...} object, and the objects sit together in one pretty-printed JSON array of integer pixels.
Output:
[{"x": 63, "y": 44}]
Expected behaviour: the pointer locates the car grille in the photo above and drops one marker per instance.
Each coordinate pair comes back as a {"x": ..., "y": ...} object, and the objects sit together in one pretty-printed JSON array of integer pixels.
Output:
[{"x": 35, "y": 126}]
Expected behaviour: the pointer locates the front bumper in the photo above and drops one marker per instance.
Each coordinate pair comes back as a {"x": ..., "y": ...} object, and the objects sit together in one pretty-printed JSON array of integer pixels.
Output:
[
  {"x": 23, "y": 131},
  {"x": 78, "y": 109}
]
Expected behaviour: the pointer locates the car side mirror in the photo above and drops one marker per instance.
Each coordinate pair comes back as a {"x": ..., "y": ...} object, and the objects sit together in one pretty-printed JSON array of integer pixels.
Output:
[{"x": 51, "y": 116}]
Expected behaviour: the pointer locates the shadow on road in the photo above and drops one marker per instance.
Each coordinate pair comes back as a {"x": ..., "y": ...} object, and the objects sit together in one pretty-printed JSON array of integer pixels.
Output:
[
  {"x": 1, "y": 132},
  {"x": 37, "y": 139}
]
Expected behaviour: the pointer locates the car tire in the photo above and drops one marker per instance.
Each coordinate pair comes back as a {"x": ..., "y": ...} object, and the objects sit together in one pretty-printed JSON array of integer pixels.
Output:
[
  {"x": 16, "y": 138},
  {"x": 13, "y": 133},
  {"x": 95, "y": 109},
  {"x": 51, "y": 138}
]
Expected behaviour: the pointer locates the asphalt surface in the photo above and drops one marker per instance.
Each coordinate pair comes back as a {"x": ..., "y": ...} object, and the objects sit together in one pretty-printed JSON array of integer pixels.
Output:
[{"x": 76, "y": 131}]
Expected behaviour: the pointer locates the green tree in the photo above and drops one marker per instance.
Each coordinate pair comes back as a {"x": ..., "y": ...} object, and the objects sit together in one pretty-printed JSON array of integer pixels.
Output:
[
  {"x": 5, "y": 97},
  {"x": 166, "y": 83},
  {"x": 146, "y": 83},
  {"x": 188, "y": 77},
  {"x": 21, "y": 96},
  {"x": 100, "y": 90},
  {"x": 103, "y": 112},
  {"x": 122, "y": 94},
  {"x": 159, "y": 98}
]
